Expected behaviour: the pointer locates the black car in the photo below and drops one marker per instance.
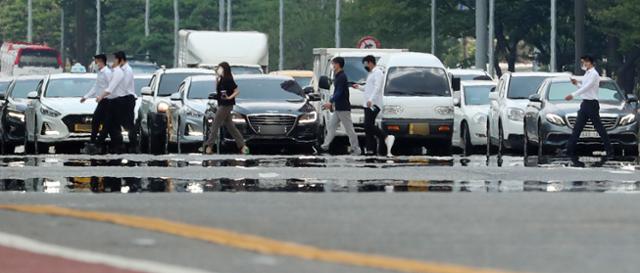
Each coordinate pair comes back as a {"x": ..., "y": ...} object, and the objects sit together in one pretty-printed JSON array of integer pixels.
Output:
[
  {"x": 12, "y": 112},
  {"x": 271, "y": 110},
  {"x": 549, "y": 119}
]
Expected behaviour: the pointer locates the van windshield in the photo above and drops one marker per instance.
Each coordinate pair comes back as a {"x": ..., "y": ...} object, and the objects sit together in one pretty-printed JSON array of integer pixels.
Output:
[
  {"x": 417, "y": 81},
  {"x": 39, "y": 58}
]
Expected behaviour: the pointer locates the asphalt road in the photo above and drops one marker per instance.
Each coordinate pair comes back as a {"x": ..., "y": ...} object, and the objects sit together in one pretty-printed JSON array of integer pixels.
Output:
[{"x": 464, "y": 212}]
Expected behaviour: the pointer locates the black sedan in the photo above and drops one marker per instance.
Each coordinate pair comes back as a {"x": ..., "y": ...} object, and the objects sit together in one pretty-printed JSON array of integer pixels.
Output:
[
  {"x": 549, "y": 119},
  {"x": 271, "y": 110},
  {"x": 12, "y": 118}
]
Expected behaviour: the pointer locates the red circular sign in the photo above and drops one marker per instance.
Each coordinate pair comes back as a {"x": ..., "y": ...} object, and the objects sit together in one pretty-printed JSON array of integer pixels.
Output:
[{"x": 368, "y": 42}]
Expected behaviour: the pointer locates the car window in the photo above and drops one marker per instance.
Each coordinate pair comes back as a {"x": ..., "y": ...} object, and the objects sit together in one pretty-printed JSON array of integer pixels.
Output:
[
  {"x": 269, "y": 90},
  {"x": 21, "y": 88},
  {"x": 201, "y": 89},
  {"x": 354, "y": 69},
  {"x": 417, "y": 81},
  {"x": 138, "y": 84},
  {"x": 609, "y": 91},
  {"x": 170, "y": 82},
  {"x": 68, "y": 88},
  {"x": 477, "y": 95},
  {"x": 4, "y": 86},
  {"x": 303, "y": 81},
  {"x": 38, "y": 57},
  {"x": 523, "y": 87}
]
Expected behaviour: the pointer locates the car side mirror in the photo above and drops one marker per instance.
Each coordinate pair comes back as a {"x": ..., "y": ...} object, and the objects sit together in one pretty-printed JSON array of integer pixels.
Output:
[
  {"x": 535, "y": 98},
  {"x": 213, "y": 96},
  {"x": 493, "y": 96},
  {"x": 456, "y": 102},
  {"x": 324, "y": 82},
  {"x": 33, "y": 95},
  {"x": 175, "y": 96},
  {"x": 146, "y": 91},
  {"x": 308, "y": 90},
  {"x": 314, "y": 97},
  {"x": 632, "y": 98},
  {"x": 455, "y": 84}
]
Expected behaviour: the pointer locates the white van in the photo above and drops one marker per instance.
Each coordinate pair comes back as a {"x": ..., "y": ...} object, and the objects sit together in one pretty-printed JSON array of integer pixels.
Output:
[{"x": 418, "y": 103}]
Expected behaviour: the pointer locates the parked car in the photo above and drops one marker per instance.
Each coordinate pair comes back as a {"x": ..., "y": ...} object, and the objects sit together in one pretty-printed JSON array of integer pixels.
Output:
[
  {"x": 4, "y": 85},
  {"x": 55, "y": 116},
  {"x": 470, "y": 74},
  {"x": 143, "y": 67},
  {"x": 152, "y": 115},
  {"x": 304, "y": 78},
  {"x": 506, "y": 113},
  {"x": 12, "y": 112},
  {"x": 272, "y": 110},
  {"x": 549, "y": 119},
  {"x": 470, "y": 115},
  {"x": 186, "y": 113},
  {"x": 418, "y": 104}
]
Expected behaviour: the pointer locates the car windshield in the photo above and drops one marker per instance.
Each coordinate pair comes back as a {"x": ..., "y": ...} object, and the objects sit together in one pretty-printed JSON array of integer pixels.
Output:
[
  {"x": 417, "y": 81},
  {"x": 143, "y": 68},
  {"x": 170, "y": 82},
  {"x": 608, "y": 91},
  {"x": 354, "y": 69},
  {"x": 139, "y": 83},
  {"x": 68, "y": 88},
  {"x": 39, "y": 58},
  {"x": 22, "y": 87},
  {"x": 523, "y": 87},
  {"x": 303, "y": 81},
  {"x": 245, "y": 70},
  {"x": 3, "y": 87},
  {"x": 201, "y": 89},
  {"x": 270, "y": 90},
  {"x": 477, "y": 95}
]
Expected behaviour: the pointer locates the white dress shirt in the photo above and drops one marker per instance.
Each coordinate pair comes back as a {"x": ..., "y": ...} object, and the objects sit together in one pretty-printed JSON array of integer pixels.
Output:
[
  {"x": 128, "y": 82},
  {"x": 373, "y": 88},
  {"x": 102, "y": 83},
  {"x": 588, "y": 89},
  {"x": 116, "y": 86}
]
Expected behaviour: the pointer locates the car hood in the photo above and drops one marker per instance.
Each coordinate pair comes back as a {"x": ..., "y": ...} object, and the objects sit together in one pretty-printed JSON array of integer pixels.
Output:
[
  {"x": 272, "y": 107},
  {"x": 70, "y": 105},
  {"x": 573, "y": 107}
]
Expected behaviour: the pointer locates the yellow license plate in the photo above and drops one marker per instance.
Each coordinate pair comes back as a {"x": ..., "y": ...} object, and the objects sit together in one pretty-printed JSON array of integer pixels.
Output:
[
  {"x": 421, "y": 129},
  {"x": 82, "y": 128}
]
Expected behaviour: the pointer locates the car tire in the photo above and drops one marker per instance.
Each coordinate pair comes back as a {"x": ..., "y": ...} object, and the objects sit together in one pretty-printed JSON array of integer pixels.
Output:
[
  {"x": 157, "y": 140},
  {"x": 467, "y": 147},
  {"x": 206, "y": 127},
  {"x": 142, "y": 144}
]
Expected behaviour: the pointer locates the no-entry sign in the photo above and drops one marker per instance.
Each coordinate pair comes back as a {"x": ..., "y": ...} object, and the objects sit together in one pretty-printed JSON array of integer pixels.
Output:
[{"x": 368, "y": 42}]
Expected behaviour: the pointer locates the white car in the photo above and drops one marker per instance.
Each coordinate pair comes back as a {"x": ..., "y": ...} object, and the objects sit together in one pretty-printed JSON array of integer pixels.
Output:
[
  {"x": 55, "y": 116},
  {"x": 470, "y": 74},
  {"x": 418, "y": 103},
  {"x": 152, "y": 116},
  {"x": 186, "y": 113},
  {"x": 470, "y": 115},
  {"x": 505, "y": 127}
]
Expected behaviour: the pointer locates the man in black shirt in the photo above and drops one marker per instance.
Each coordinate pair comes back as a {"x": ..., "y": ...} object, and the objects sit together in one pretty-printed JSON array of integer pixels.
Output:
[{"x": 342, "y": 106}]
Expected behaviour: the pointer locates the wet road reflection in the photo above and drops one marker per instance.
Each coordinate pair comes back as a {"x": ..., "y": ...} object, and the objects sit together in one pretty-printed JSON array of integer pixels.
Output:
[{"x": 159, "y": 185}]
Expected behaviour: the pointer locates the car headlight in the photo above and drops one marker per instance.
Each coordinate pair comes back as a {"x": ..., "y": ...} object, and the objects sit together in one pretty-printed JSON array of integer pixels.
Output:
[
  {"x": 555, "y": 119},
  {"x": 628, "y": 119},
  {"x": 310, "y": 117},
  {"x": 444, "y": 110},
  {"x": 193, "y": 112},
  {"x": 48, "y": 111},
  {"x": 163, "y": 107},
  {"x": 237, "y": 118},
  {"x": 16, "y": 115},
  {"x": 480, "y": 119},
  {"x": 393, "y": 109},
  {"x": 515, "y": 114}
]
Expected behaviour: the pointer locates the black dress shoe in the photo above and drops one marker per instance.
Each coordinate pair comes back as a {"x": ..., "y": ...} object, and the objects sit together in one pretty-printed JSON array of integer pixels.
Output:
[{"x": 576, "y": 163}]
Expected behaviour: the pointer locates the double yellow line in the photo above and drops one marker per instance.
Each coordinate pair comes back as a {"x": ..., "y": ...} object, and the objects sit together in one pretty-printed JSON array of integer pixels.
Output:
[{"x": 250, "y": 242}]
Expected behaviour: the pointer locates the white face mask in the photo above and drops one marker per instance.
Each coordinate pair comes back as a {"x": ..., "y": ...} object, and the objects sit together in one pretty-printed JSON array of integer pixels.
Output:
[
  {"x": 584, "y": 68},
  {"x": 220, "y": 71}
]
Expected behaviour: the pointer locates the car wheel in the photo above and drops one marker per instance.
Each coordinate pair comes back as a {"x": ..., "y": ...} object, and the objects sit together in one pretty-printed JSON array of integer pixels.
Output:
[
  {"x": 540, "y": 143},
  {"x": 501, "y": 148},
  {"x": 467, "y": 147},
  {"x": 3, "y": 145}
]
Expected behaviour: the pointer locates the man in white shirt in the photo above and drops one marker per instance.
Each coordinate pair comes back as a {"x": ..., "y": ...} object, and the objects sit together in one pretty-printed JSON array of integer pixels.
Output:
[
  {"x": 373, "y": 104},
  {"x": 100, "y": 113},
  {"x": 126, "y": 103},
  {"x": 115, "y": 90},
  {"x": 589, "y": 109}
]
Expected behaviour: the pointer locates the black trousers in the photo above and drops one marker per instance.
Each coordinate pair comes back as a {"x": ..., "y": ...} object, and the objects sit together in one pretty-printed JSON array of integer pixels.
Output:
[
  {"x": 98, "y": 119},
  {"x": 371, "y": 130},
  {"x": 589, "y": 110},
  {"x": 127, "y": 106},
  {"x": 113, "y": 123}
]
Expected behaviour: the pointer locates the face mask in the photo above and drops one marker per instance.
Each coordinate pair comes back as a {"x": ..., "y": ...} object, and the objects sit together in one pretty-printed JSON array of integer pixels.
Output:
[
  {"x": 584, "y": 68},
  {"x": 220, "y": 71},
  {"x": 367, "y": 68}
]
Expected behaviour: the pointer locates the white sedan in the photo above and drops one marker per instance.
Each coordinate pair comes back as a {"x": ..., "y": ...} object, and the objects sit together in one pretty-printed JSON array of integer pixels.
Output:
[{"x": 470, "y": 115}]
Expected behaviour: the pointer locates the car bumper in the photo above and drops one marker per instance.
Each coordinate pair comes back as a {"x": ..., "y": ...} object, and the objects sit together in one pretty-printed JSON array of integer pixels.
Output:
[
  {"x": 419, "y": 129},
  {"x": 60, "y": 130},
  {"x": 300, "y": 134},
  {"x": 558, "y": 136},
  {"x": 513, "y": 133},
  {"x": 478, "y": 133}
]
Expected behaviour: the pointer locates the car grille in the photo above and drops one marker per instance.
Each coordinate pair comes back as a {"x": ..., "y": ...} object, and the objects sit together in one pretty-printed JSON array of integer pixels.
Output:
[
  {"x": 272, "y": 124},
  {"x": 608, "y": 122},
  {"x": 71, "y": 120}
]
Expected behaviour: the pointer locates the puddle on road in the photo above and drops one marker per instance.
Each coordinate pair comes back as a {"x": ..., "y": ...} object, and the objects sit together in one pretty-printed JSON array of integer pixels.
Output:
[{"x": 159, "y": 185}]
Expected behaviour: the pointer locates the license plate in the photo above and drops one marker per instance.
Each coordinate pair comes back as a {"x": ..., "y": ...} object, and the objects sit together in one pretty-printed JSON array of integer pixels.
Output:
[
  {"x": 421, "y": 129},
  {"x": 589, "y": 134},
  {"x": 82, "y": 128}
]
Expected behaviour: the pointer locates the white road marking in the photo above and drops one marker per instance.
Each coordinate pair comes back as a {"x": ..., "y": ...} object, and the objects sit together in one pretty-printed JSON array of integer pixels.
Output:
[{"x": 30, "y": 245}]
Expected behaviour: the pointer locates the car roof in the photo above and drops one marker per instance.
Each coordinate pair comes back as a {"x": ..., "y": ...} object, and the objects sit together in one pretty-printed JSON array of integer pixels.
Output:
[
  {"x": 199, "y": 78},
  {"x": 262, "y": 77},
  {"x": 544, "y": 74},
  {"x": 411, "y": 59},
  {"x": 478, "y": 83},
  {"x": 461, "y": 71},
  {"x": 73, "y": 76},
  {"x": 142, "y": 76},
  {"x": 29, "y": 77},
  {"x": 187, "y": 70},
  {"x": 293, "y": 73}
]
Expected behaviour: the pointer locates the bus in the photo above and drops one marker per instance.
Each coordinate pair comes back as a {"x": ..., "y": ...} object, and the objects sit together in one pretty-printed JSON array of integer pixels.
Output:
[{"x": 18, "y": 58}]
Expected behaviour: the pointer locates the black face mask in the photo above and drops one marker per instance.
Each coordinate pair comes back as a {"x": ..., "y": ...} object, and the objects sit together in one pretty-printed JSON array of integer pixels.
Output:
[{"x": 367, "y": 68}]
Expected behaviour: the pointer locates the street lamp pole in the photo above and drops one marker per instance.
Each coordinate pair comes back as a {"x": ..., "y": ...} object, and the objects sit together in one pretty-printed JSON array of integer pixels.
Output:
[
  {"x": 281, "y": 40},
  {"x": 492, "y": 70},
  {"x": 229, "y": 15},
  {"x": 433, "y": 27},
  {"x": 29, "y": 22},
  {"x": 221, "y": 15},
  {"x": 337, "y": 23},
  {"x": 552, "y": 62},
  {"x": 481, "y": 34},
  {"x": 98, "y": 15},
  {"x": 146, "y": 23},
  {"x": 176, "y": 25},
  {"x": 62, "y": 32}
]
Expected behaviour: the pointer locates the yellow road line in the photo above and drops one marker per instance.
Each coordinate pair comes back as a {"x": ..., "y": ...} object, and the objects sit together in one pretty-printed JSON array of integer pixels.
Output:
[{"x": 251, "y": 242}]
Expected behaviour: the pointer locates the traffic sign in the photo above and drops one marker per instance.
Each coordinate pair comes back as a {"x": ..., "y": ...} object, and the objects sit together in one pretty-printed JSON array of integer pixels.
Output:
[{"x": 368, "y": 42}]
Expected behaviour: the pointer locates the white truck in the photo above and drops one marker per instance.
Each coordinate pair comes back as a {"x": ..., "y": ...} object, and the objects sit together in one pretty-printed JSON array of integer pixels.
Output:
[
  {"x": 356, "y": 73},
  {"x": 246, "y": 51}
]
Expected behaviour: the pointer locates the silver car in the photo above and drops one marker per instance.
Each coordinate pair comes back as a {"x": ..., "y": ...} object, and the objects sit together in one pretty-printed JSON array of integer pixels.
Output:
[{"x": 186, "y": 113}]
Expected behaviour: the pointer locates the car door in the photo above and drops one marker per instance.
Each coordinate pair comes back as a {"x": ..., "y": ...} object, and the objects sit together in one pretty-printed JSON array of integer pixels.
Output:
[
  {"x": 458, "y": 116},
  {"x": 175, "y": 109},
  {"x": 31, "y": 114},
  {"x": 146, "y": 103},
  {"x": 494, "y": 109},
  {"x": 531, "y": 115}
]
